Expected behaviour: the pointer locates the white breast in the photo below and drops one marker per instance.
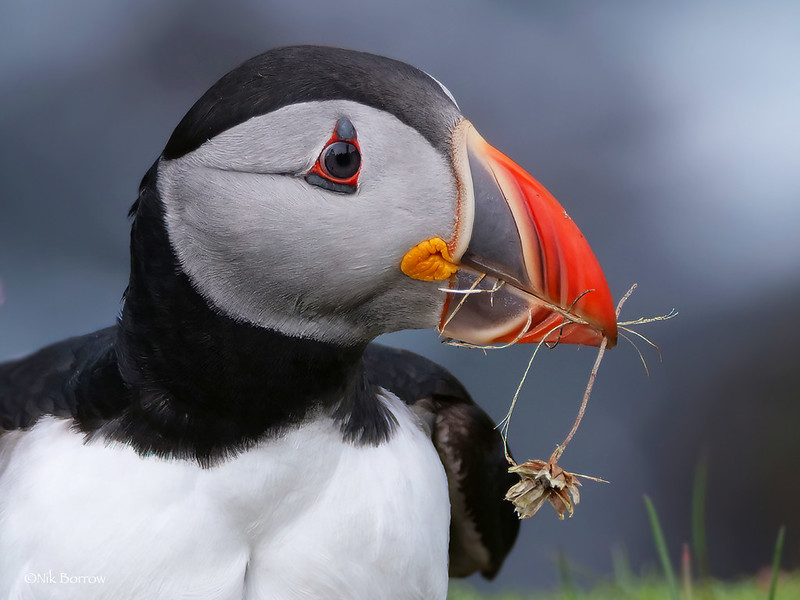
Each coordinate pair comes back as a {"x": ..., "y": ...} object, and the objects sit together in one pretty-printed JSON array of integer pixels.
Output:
[{"x": 303, "y": 516}]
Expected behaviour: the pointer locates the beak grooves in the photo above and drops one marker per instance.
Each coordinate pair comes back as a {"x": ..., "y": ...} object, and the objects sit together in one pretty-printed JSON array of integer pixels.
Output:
[{"x": 523, "y": 241}]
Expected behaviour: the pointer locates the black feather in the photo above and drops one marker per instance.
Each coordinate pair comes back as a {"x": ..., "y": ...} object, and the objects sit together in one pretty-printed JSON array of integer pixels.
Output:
[{"x": 290, "y": 75}]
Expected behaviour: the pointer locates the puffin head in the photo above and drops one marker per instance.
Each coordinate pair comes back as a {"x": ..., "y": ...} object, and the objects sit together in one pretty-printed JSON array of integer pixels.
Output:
[{"x": 335, "y": 195}]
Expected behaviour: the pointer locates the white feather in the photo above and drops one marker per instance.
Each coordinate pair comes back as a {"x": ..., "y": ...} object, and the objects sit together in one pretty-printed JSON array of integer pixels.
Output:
[{"x": 303, "y": 516}]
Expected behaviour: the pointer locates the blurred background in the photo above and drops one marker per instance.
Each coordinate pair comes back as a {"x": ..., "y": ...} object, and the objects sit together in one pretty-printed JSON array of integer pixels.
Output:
[{"x": 669, "y": 131}]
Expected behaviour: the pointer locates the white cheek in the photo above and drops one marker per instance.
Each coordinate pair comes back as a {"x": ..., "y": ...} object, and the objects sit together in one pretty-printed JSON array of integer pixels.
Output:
[{"x": 275, "y": 251}]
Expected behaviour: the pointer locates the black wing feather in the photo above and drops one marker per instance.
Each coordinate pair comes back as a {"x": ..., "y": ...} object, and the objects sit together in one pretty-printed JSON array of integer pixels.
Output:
[{"x": 75, "y": 378}]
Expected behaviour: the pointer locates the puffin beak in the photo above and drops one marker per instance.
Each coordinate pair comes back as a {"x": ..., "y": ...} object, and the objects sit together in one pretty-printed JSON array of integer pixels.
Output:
[{"x": 525, "y": 271}]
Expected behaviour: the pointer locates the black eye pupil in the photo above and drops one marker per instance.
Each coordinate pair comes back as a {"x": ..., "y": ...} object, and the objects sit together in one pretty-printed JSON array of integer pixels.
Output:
[{"x": 341, "y": 160}]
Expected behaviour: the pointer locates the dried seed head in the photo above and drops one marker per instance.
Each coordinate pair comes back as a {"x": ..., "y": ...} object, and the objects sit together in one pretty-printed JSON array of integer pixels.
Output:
[{"x": 542, "y": 481}]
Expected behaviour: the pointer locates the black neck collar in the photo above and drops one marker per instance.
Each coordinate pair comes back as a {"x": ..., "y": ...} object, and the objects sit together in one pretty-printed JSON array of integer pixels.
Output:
[{"x": 205, "y": 386}]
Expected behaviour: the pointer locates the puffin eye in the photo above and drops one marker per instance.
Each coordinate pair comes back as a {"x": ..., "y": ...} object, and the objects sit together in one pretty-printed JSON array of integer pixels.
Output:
[
  {"x": 339, "y": 163},
  {"x": 340, "y": 160}
]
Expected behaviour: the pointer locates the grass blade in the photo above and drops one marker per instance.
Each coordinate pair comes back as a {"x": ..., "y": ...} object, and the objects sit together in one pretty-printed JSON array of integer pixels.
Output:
[
  {"x": 699, "y": 518},
  {"x": 661, "y": 547},
  {"x": 686, "y": 572},
  {"x": 623, "y": 575},
  {"x": 776, "y": 563},
  {"x": 567, "y": 587}
]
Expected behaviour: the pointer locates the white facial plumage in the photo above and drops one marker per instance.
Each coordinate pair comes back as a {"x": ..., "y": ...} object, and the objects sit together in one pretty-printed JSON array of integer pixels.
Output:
[{"x": 264, "y": 246}]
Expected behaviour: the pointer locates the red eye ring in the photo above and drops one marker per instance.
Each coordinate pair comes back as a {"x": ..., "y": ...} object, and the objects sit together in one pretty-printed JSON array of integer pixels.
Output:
[{"x": 339, "y": 163}]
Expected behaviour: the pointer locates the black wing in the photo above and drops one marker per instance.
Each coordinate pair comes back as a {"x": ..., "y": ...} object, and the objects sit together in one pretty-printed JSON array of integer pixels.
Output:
[
  {"x": 483, "y": 526},
  {"x": 75, "y": 378}
]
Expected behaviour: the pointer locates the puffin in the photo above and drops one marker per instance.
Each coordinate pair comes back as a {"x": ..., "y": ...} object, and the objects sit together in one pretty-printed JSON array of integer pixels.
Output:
[{"x": 237, "y": 434}]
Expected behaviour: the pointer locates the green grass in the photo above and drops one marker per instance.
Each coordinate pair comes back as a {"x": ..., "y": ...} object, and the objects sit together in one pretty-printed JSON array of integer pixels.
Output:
[
  {"x": 663, "y": 554},
  {"x": 627, "y": 586},
  {"x": 648, "y": 589}
]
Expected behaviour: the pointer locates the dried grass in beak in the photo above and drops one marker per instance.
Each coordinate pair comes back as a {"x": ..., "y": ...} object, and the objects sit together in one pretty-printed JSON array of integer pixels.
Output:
[{"x": 545, "y": 481}]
